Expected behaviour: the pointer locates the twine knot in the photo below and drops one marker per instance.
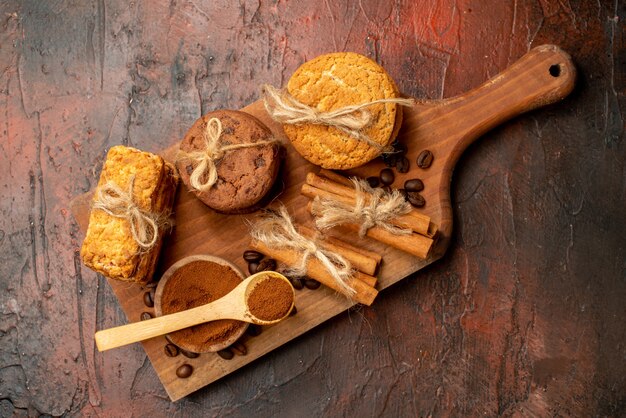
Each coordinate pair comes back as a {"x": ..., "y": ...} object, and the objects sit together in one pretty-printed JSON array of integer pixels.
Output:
[
  {"x": 204, "y": 174},
  {"x": 114, "y": 201},
  {"x": 285, "y": 108},
  {"x": 276, "y": 230},
  {"x": 372, "y": 207}
]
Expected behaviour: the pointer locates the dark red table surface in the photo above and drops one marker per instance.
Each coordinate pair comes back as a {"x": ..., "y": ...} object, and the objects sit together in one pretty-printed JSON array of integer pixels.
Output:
[{"x": 524, "y": 315}]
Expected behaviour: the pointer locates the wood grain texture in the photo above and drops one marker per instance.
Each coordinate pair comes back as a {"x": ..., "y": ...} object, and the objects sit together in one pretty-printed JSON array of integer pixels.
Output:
[{"x": 523, "y": 314}]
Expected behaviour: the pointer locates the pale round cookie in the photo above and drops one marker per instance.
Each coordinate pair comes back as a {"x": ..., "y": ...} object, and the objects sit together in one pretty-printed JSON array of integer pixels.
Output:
[{"x": 334, "y": 81}]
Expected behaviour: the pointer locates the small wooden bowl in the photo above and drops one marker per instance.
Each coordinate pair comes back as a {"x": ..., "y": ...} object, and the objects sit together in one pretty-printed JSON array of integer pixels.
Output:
[{"x": 159, "y": 294}]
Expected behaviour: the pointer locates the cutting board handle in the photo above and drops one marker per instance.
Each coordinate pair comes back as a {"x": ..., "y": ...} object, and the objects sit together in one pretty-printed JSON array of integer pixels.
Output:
[{"x": 544, "y": 75}]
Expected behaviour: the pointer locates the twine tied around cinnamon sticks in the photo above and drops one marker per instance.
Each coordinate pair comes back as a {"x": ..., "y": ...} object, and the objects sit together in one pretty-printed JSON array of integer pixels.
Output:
[
  {"x": 118, "y": 203},
  {"x": 207, "y": 158},
  {"x": 285, "y": 108},
  {"x": 276, "y": 230},
  {"x": 372, "y": 207}
]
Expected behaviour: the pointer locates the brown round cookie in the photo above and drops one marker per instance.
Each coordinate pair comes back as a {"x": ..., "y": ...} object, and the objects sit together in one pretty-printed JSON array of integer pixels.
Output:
[
  {"x": 333, "y": 81},
  {"x": 245, "y": 175}
]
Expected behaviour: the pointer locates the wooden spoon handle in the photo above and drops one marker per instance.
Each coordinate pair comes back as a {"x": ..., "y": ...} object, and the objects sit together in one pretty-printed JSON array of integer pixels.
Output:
[
  {"x": 544, "y": 75},
  {"x": 139, "y": 331}
]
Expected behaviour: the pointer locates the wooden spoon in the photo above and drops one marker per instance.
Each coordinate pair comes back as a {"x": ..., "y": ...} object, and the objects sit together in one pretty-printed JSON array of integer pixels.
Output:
[{"x": 235, "y": 305}]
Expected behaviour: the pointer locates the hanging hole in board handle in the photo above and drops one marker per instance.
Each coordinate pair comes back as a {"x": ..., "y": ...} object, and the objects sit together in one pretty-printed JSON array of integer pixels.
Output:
[{"x": 555, "y": 70}]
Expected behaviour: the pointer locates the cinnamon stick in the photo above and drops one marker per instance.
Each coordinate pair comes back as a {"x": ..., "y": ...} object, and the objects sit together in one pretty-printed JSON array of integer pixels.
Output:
[
  {"x": 363, "y": 260},
  {"x": 413, "y": 220},
  {"x": 336, "y": 177},
  {"x": 365, "y": 293},
  {"x": 343, "y": 180},
  {"x": 414, "y": 244}
]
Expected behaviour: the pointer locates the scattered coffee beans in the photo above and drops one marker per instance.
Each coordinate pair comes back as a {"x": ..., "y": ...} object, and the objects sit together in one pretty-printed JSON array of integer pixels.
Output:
[
  {"x": 145, "y": 316},
  {"x": 416, "y": 199},
  {"x": 297, "y": 283},
  {"x": 188, "y": 354},
  {"x": 293, "y": 311},
  {"x": 253, "y": 267},
  {"x": 171, "y": 350},
  {"x": 397, "y": 157},
  {"x": 414, "y": 185},
  {"x": 267, "y": 264},
  {"x": 391, "y": 158},
  {"x": 252, "y": 256},
  {"x": 311, "y": 283},
  {"x": 254, "y": 330},
  {"x": 403, "y": 165},
  {"x": 239, "y": 348},
  {"x": 184, "y": 371},
  {"x": 400, "y": 147},
  {"x": 373, "y": 181},
  {"x": 226, "y": 354},
  {"x": 148, "y": 299},
  {"x": 386, "y": 176},
  {"x": 425, "y": 159}
]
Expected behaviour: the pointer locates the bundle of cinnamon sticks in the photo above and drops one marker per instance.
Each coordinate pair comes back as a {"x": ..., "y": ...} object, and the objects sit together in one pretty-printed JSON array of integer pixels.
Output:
[
  {"x": 363, "y": 261},
  {"x": 329, "y": 185}
]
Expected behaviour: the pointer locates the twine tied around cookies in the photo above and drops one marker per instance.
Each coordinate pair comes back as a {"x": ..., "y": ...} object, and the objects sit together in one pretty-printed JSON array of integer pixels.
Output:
[
  {"x": 276, "y": 230},
  {"x": 285, "y": 108},
  {"x": 381, "y": 208},
  {"x": 205, "y": 160},
  {"x": 118, "y": 203}
]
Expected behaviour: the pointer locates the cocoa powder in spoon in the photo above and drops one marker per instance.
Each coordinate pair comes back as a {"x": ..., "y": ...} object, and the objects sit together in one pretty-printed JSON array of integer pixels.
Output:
[{"x": 270, "y": 299}]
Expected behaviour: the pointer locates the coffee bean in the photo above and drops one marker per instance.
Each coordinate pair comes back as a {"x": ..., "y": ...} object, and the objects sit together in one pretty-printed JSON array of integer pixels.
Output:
[
  {"x": 252, "y": 256},
  {"x": 148, "y": 299},
  {"x": 386, "y": 176},
  {"x": 311, "y": 283},
  {"x": 386, "y": 189},
  {"x": 293, "y": 311},
  {"x": 296, "y": 282},
  {"x": 226, "y": 354},
  {"x": 402, "y": 192},
  {"x": 188, "y": 354},
  {"x": 400, "y": 147},
  {"x": 391, "y": 158},
  {"x": 254, "y": 330},
  {"x": 403, "y": 165},
  {"x": 416, "y": 199},
  {"x": 267, "y": 264},
  {"x": 425, "y": 159},
  {"x": 145, "y": 316},
  {"x": 239, "y": 348},
  {"x": 171, "y": 350},
  {"x": 253, "y": 267},
  {"x": 414, "y": 185},
  {"x": 184, "y": 371},
  {"x": 373, "y": 181}
]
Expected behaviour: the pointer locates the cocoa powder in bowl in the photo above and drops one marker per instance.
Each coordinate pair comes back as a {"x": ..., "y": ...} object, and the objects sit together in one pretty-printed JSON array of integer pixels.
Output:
[
  {"x": 194, "y": 284},
  {"x": 270, "y": 299}
]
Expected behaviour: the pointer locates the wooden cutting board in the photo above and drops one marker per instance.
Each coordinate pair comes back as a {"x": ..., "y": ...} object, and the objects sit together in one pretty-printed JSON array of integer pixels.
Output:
[{"x": 445, "y": 127}]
